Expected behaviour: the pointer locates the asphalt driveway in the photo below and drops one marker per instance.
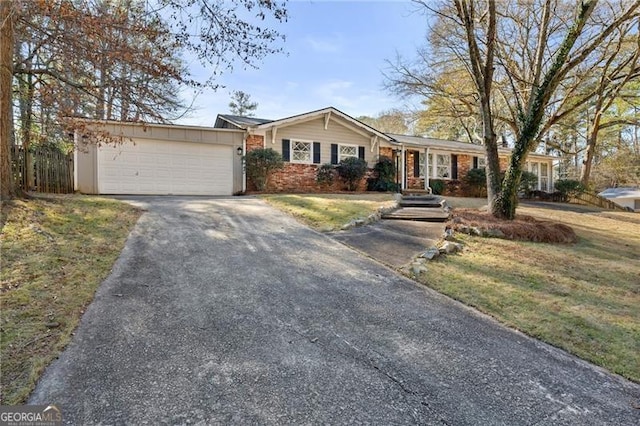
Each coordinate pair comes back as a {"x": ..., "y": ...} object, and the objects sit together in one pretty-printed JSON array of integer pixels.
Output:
[
  {"x": 224, "y": 311},
  {"x": 392, "y": 242}
]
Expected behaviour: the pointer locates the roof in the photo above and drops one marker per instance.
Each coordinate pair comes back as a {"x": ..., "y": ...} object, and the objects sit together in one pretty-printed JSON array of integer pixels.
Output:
[
  {"x": 239, "y": 121},
  {"x": 627, "y": 192},
  {"x": 327, "y": 112},
  {"x": 448, "y": 145},
  {"x": 435, "y": 143}
]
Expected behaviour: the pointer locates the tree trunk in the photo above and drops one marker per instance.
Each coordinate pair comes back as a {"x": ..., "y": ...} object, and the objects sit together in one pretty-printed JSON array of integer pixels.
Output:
[
  {"x": 7, "y": 187},
  {"x": 591, "y": 150},
  {"x": 26, "y": 93},
  {"x": 507, "y": 202},
  {"x": 493, "y": 174}
]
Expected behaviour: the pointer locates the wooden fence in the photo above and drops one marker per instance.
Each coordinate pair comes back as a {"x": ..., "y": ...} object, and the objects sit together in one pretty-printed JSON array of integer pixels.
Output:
[
  {"x": 52, "y": 170},
  {"x": 595, "y": 200}
]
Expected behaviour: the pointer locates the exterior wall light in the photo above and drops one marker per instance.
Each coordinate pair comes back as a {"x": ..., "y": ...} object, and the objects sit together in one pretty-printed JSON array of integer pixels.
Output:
[{"x": 239, "y": 150}]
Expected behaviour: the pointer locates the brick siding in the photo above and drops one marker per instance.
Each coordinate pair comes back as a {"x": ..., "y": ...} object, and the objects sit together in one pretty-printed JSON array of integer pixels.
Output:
[
  {"x": 301, "y": 178},
  {"x": 254, "y": 142}
]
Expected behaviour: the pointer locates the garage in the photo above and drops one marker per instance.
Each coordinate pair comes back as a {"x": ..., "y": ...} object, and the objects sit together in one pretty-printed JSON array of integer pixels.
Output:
[
  {"x": 161, "y": 160},
  {"x": 165, "y": 167}
]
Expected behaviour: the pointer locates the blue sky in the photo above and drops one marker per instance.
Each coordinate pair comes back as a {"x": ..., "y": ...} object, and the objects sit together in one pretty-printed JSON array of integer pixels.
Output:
[{"x": 336, "y": 52}]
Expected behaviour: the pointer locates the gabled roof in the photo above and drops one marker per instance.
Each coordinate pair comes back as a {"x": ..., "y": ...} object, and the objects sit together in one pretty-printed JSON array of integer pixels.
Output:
[
  {"x": 620, "y": 193},
  {"x": 238, "y": 121},
  {"x": 327, "y": 113},
  {"x": 252, "y": 123}
]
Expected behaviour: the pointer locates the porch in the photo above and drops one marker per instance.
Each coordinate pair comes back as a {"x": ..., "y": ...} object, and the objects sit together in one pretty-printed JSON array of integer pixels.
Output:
[{"x": 441, "y": 166}]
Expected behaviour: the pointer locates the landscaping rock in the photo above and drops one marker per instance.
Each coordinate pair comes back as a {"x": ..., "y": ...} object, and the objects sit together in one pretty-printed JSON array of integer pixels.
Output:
[
  {"x": 449, "y": 247},
  {"x": 372, "y": 218},
  {"x": 493, "y": 233},
  {"x": 430, "y": 253},
  {"x": 348, "y": 226},
  {"x": 448, "y": 233},
  {"x": 418, "y": 268},
  {"x": 464, "y": 229}
]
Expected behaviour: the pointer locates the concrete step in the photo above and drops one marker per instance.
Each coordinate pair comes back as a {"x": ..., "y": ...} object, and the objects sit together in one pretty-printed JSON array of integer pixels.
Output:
[
  {"x": 418, "y": 213},
  {"x": 416, "y": 192},
  {"x": 431, "y": 204},
  {"x": 421, "y": 200}
]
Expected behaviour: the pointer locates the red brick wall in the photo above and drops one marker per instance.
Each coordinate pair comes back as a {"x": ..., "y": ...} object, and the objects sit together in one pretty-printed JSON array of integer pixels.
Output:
[
  {"x": 254, "y": 142},
  {"x": 301, "y": 178},
  {"x": 297, "y": 177},
  {"x": 386, "y": 152},
  {"x": 465, "y": 163}
]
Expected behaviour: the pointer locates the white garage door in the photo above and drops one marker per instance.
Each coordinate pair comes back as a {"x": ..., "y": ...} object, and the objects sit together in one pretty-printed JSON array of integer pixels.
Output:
[{"x": 165, "y": 167}]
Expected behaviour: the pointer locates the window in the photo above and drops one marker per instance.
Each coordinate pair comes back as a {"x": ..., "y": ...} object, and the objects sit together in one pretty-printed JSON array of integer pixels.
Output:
[
  {"x": 482, "y": 163},
  {"x": 421, "y": 157},
  {"x": 443, "y": 166},
  {"x": 346, "y": 151},
  {"x": 442, "y": 169},
  {"x": 544, "y": 176},
  {"x": 534, "y": 169},
  {"x": 301, "y": 152}
]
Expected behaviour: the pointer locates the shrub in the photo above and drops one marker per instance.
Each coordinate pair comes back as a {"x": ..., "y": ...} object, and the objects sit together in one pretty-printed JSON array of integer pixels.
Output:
[
  {"x": 568, "y": 187},
  {"x": 384, "y": 176},
  {"x": 325, "y": 174},
  {"x": 437, "y": 186},
  {"x": 476, "y": 179},
  {"x": 351, "y": 170},
  {"x": 260, "y": 164},
  {"x": 528, "y": 181}
]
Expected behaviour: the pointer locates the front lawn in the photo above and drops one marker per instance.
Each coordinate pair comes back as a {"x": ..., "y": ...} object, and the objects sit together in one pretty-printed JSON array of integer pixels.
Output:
[
  {"x": 327, "y": 212},
  {"x": 584, "y": 297},
  {"x": 55, "y": 253}
]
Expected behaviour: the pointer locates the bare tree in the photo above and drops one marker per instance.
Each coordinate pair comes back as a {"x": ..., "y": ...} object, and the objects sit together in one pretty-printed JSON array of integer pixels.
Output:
[
  {"x": 616, "y": 73},
  {"x": 120, "y": 59},
  {"x": 391, "y": 121},
  {"x": 541, "y": 50}
]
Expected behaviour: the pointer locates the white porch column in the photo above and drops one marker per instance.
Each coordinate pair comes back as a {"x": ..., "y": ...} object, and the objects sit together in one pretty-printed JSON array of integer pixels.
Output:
[
  {"x": 426, "y": 169},
  {"x": 403, "y": 171}
]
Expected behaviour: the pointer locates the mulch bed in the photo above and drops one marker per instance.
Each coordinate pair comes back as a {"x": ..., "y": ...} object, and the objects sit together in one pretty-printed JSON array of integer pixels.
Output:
[{"x": 522, "y": 228}]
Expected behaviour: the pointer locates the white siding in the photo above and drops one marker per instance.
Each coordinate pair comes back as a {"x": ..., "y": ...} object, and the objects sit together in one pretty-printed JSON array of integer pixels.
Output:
[{"x": 314, "y": 131}]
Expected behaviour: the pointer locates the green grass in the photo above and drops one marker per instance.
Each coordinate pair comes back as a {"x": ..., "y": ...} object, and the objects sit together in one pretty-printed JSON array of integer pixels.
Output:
[
  {"x": 584, "y": 298},
  {"x": 327, "y": 212},
  {"x": 55, "y": 253}
]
